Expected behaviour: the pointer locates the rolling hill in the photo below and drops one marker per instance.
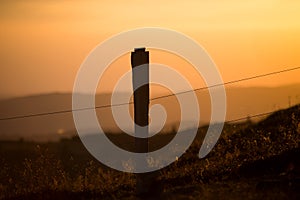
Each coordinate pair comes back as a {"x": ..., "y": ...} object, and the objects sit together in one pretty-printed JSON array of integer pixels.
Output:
[{"x": 241, "y": 102}]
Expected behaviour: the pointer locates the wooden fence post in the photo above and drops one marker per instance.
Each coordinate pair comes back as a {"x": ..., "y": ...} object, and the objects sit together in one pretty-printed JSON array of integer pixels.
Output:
[{"x": 141, "y": 108}]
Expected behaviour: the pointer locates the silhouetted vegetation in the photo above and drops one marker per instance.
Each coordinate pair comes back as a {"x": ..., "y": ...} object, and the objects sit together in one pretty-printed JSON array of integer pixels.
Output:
[{"x": 250, "y": 160}]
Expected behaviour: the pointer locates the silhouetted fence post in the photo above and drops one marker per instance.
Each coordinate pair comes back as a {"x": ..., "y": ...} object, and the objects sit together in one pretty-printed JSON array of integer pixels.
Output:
[
  {"x": 141, "y": 96},
  {"x": 141, "y": 108}
]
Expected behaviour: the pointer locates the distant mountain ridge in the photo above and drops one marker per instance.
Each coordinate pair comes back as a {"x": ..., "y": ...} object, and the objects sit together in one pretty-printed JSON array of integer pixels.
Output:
[{"x": 240, "y": 103}]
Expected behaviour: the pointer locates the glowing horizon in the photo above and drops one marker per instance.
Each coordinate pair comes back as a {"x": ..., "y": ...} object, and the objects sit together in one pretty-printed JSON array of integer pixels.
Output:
[{"x": 44, "y": 43}]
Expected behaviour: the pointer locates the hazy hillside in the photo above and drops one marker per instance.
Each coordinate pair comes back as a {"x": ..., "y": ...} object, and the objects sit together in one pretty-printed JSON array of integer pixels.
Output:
[
  {"x": 240, "y": 103},
  {"x": 250, "y": 161}
]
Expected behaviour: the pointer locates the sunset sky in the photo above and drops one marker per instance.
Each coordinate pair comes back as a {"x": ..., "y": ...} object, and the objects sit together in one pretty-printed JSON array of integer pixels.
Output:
[{"x": 43, "y": 43}]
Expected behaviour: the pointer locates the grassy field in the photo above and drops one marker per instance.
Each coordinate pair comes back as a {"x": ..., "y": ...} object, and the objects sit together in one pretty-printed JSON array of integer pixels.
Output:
[{"x": 250, "y": 161}]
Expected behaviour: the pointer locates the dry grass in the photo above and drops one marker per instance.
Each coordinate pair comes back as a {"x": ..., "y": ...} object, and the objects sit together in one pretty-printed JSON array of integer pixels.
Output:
[{"x": 50, "y": 175}]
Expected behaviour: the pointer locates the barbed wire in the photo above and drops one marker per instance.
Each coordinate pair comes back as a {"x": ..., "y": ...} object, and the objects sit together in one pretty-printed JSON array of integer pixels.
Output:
[
  {"x": 126, "y": 143},
  {"x": 154, "y": 98}
]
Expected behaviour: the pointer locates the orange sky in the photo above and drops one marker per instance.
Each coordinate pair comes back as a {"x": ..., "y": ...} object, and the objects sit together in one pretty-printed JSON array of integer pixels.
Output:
[{"x": 43, "y": 43}]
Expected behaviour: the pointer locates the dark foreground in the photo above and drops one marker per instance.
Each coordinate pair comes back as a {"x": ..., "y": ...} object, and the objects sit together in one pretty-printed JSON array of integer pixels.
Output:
[{"x": 250, "y": 161}]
